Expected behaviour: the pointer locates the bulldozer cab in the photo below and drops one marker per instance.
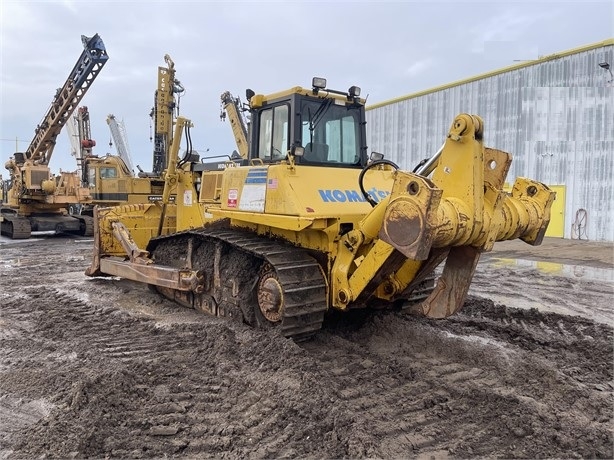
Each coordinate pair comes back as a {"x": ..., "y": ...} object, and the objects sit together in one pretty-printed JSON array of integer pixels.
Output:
[{"x": 315, "y": 126}]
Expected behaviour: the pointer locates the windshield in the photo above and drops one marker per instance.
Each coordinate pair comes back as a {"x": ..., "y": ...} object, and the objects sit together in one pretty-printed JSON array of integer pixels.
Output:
[{"x": 330, "y": 132}]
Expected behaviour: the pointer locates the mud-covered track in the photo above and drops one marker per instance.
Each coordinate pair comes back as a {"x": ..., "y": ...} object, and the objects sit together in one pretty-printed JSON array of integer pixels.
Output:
[
  {"x": 300, "y": 277},
  {"x": 298, "y": 274}
]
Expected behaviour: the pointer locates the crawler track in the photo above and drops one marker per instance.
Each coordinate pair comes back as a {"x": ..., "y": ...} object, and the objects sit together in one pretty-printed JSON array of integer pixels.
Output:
[
  {"x": 87, "y": 225},
  {"x": 299, "y": 274},
  {"x": 15, "y": 227}
]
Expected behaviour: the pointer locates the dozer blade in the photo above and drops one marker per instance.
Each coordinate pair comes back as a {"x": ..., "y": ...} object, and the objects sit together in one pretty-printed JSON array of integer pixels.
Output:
[{"x": 452, "y": 287}]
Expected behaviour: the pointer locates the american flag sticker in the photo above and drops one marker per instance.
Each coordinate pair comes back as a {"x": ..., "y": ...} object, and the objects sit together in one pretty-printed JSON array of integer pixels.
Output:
[{"x": 272, "y": 183}]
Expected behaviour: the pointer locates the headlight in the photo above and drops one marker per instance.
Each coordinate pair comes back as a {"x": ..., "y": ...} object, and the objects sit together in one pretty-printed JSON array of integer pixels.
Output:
[
  {"x": 354, "y": 91},
  {"x": 318, "y": 82},
  {"x": 376, "y": 156}
]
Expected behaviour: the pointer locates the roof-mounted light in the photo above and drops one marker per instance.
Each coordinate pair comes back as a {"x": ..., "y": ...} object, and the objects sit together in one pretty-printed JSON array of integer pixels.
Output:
[
  {"x": 297, "y": 151},
  {"x": 318, "y": 83},
  {"x": 354, "y": 91},
  {"x": 376, "y": 156}
]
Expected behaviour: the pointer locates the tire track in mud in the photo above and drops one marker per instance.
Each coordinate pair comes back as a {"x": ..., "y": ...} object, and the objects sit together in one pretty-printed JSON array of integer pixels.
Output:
[
  {"x": 191, "y": 382},
  {"x": 473, "y": 392},
  {"x": 94, "y": 368}
]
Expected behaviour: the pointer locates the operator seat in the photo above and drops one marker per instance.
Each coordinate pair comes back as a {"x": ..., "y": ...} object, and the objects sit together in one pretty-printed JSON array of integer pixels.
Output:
[{"x": 316, "y": 152}]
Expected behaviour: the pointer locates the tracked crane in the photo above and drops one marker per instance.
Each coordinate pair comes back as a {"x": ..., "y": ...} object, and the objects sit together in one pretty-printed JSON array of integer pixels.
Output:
[{"x": 38, "y": 200}]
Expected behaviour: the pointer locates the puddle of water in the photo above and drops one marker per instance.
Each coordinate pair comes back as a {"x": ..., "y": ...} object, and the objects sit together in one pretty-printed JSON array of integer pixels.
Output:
[
  {"x": 10, "y": 263},
  {"x": 552, "y": 268},
  {"x": 40, "y": 236},
  {"x": 602, "y": 315},
  {"x": 596, "y": 306}
]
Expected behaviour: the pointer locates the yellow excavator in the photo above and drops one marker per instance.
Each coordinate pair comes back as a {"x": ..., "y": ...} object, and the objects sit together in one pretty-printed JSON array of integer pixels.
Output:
[
  {"x": 307, "y": 221},
  {"x": 38, "y": 200}
]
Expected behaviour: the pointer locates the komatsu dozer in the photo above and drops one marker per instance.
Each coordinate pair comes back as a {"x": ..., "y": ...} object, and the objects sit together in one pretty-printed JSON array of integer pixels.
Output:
[{"x": 307, "y": 222}]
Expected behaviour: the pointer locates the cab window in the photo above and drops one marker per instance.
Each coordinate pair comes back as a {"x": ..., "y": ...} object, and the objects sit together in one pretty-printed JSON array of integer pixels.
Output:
[
  {"x": 108, "y": 173},
  {"x": 330, "y": 133},
  {"x": 91, "y": 177},
  {"x": 273, "y": 144}
]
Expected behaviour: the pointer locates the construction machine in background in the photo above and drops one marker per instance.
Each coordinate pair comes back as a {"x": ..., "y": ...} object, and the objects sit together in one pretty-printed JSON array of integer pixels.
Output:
[
  {"x": 309, "y": 223},
  {"x": 82, "y": 143},
  {"x": 105, "y": 176},
  {"x": 38, "y": 200},
  {"x": 80, "y": 136},
  {"x": 163, "y": 113},
  {"x": 120, "y": 138},
  {"x": 233, "y": 108},
  {"x": 110, "y": 179},
  {"x": 111, "y": 182}
]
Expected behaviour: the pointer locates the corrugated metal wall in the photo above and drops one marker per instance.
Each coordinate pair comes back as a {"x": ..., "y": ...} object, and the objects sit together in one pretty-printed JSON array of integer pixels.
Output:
[{"x": 556, "y": 118}]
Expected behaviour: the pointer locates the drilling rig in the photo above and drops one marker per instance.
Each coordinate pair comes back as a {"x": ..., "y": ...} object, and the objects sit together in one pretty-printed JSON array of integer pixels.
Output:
[
  {"x": 38, "y": 200},
  {"x": 80, "y": 136},
  {"x": 110, "y": 179},
  {"x": 163, "y": 115}
]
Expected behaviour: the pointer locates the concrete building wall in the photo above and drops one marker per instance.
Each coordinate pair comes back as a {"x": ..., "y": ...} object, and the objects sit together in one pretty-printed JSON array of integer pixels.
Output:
[{"x": 554, "y": 115}]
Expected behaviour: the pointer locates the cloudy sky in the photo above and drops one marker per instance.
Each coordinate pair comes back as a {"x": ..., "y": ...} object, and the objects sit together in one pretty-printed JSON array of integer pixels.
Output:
[{"x": 389, "y": 49}]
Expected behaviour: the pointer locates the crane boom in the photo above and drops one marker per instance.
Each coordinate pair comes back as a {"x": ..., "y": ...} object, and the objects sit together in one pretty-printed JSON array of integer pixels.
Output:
[
  {"x": 66, "y": 99},
  {"x": 80, "y": 133},
  {"x": 231, "y": 106},
  {"x": 118, "y": 133}
]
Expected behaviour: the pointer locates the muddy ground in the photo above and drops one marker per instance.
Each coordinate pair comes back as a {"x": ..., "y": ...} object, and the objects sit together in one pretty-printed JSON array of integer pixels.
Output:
[{"x": 108, "y": 369}]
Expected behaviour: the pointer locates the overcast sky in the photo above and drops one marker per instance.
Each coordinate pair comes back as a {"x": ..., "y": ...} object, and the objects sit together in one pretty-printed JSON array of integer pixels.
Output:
[{"x": 389, "y": 49}]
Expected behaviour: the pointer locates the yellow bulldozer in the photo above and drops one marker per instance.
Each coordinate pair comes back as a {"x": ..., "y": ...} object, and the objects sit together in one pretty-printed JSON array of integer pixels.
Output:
[{"x": 306, "y": 221}]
